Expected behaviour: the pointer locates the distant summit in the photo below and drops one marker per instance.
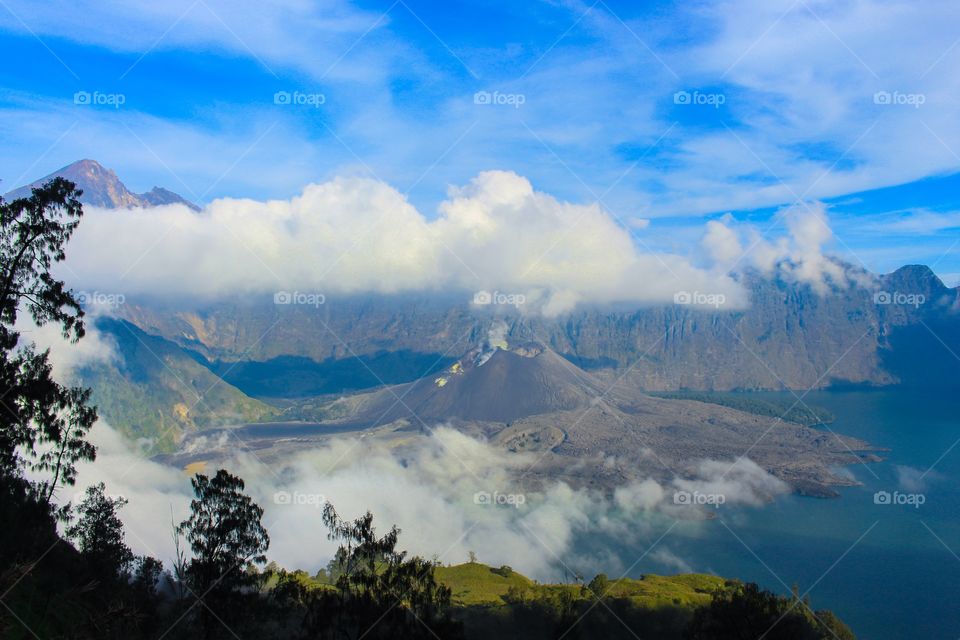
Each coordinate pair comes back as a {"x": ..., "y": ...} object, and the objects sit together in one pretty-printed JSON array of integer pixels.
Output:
[{"x": 102, "y": 188}]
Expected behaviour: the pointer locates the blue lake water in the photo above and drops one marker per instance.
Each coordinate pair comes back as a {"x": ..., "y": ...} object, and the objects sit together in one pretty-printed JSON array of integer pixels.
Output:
[{"x": 889, "y": 571}]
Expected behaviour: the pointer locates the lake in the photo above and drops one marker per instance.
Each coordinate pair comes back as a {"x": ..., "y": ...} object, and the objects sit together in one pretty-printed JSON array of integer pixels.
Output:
[{"x": 890, "y": 571}]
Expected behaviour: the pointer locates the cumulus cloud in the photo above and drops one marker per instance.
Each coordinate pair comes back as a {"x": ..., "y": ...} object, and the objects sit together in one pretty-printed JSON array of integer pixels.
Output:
[
  {"x": 800, "y": 256},
  {"x": 360, "y": 235},
  {"x": 158, "y": 495},
  {"x": 722, "y": 243}
]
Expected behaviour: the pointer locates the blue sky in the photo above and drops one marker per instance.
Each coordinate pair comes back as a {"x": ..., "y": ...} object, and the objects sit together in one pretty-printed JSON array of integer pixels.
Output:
[{"x": 669, "y": 112}]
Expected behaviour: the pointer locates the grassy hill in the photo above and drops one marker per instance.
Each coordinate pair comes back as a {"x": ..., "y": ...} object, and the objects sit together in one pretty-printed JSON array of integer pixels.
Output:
[
  {"x": 501, "y": 603},
  {"x": 473, "y": 583}
]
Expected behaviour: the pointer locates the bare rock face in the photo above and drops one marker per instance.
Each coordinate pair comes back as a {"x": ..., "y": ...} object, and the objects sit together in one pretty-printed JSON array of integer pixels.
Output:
[
  {"x": 790, "y": 337},
  {"x": 102, "y": 188},
  {"x": 497, "y": 386}
]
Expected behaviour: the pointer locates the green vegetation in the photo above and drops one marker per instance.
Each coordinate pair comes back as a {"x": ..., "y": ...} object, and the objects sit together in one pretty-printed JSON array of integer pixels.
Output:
[
  {"x": 160, "y": 401},
  {"x": 784, "y": 408},
  {"x": 473, "y": 583}
]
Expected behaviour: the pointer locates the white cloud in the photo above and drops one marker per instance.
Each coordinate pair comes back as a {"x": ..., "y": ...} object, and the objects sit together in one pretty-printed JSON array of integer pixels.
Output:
[
  {"x": 916, "y": 221},
  {"x": 914, "y": 479},
  {"x": 301, "y": 35},
  {"x": 360, "y": 235},
  {"x": 740, "y": 482},
  {"x": 722, "y": 243},
  {"x": 67, "y": 357},
  {"x": 800, "y": 256}
]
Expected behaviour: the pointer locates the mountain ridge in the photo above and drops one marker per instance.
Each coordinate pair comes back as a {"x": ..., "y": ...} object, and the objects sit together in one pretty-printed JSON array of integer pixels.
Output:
[
  {"x": 102, "y": 188},
  {"x": 790, "y": 337}
]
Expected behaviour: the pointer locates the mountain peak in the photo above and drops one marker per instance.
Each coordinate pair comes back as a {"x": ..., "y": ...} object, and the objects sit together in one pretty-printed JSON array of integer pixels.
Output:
[
  {"x": 102, "y": 188},
  {"x": 505, "y": 385},
  {"x": 916, "y": 278}
]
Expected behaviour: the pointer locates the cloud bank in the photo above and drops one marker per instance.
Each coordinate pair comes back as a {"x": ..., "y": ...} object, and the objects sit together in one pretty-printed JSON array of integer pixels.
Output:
[
  {"x": 353, "y": 235},
  {"x": 430, "y": 493}
]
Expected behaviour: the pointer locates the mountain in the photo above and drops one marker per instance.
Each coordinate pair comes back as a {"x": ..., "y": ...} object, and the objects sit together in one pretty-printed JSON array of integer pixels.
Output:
[
  {"x": 499, "y": 386},
  {"x": 102, "y": 188},
  {"x": 789, "y": 337},
  {"x": 155, "y": 393},
  {"x": 524, "y": 398}
]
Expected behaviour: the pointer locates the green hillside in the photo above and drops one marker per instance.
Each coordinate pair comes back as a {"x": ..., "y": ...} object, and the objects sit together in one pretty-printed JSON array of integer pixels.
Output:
[
  {"x": 156, "y": 391},
  {"x": 473, "y": 583}
]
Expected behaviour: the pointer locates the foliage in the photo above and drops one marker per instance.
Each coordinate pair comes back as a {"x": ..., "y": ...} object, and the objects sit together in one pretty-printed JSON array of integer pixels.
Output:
[
  {"x": 747, "y": 611},
  {"x": 42, "y": 423},
  {"x": 378, "y": 591},
  {"x": 98, "y": 533},
  {"x": 225, "y": 533}
]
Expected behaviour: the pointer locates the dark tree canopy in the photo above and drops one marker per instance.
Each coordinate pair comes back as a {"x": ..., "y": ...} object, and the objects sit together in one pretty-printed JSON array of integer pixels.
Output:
[
  {"x": 379, "y": 592},
  {"x": 98, "y": 533},
  {"x": 223, "y": 530},
  {"x": 43, "y": 424},
  {"x": 747, "y": 611}
]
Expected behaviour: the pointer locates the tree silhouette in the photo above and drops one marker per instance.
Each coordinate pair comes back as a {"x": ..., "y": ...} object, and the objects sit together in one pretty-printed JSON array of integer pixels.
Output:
[
  {"x": 227, "y": 538},
  {"x": 747, "y": 611},
  {"x": 98, "y": 533},
  {"x": 42, "y": 423},
  {"x": 379, "y": 592}
]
